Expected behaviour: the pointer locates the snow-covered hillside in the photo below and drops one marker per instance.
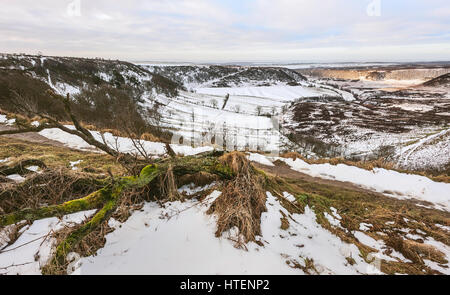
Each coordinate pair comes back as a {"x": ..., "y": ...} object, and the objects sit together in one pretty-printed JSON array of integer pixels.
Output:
[
  {"x": 265, "y": 108},
  {"x": 73, "y": 75},
  {"x": 149, "y": 242}
]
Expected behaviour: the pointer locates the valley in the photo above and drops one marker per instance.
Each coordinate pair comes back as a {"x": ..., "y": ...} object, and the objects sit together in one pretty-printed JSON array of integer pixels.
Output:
[{"x": 261, "y": 169}]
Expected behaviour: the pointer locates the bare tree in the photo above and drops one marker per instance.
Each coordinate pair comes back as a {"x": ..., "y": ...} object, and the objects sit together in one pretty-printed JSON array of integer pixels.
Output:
[
  {"x": 49, "y": 121},
  {"x": 258, "y": 110},
  {"x": 227, "y": 97},
  {"x": 214, "y": 103}
]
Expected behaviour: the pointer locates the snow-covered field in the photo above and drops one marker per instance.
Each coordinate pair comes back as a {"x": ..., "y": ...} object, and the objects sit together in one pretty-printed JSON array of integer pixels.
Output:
[
  {"x": 201, "y": 119},
  {"x": 147, "y": 244},
  {"x": 280, "y": 93},
  {"x": 179, "y": 238},
  {"x": 389, "y": 182}
]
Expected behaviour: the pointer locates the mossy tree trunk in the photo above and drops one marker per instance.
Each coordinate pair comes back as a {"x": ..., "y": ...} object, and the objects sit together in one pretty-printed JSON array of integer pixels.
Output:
[{"x": 107, "y": 198}]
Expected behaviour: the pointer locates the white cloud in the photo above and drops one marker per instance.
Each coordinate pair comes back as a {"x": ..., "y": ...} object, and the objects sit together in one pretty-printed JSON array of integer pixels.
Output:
[{"x": 201, "y": 30}]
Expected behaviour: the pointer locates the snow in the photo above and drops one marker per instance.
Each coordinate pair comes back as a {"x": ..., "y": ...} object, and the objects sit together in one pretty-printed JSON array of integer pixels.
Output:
[
  {"x": 333, "y": 221},
  {"x": 33, "y": 168},
  {"x": 281, "y": 92},
  {"x": 192, "y": 189},
  {"x": 5, "y": 120},
  {"x": 33, "y": 248},
  {"x": 380, "y": 247},
  {"x": 447, "y": 228},
  {"x": 193, "y": 117},
  {"x": 74, "y": 164},
  {"x": 16, "y": 177},
  {"x": 289, "y": 197},
  {"x": 414, "y": 107},
  {"x": 365, "y": 226},
  {"x": 334, "y": 212},
  {"x": 187, "y": 150},
  {"x": 5, "y": 160},
  {"x": 409, "y": 150},
  {"x": 445, "y": 249},
  {"x": 64, "y": 89},
  {"x": 260, "y": 159},
  {"x": 123, "y": 144},
  {"x": 305, "y": 238},
  {"x": 149, "y": 242},
  {"x": 183, "y": 243},
  {"x": 392, "y": 183}
]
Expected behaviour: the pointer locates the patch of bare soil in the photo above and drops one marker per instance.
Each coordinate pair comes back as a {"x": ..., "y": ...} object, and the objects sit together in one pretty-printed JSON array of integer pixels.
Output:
[
  {"x": 30, "y": 137},
  {"x": 283, "y": 170}
]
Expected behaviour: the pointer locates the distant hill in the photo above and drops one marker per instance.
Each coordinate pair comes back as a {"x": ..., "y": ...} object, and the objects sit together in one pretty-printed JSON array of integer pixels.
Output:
[
  {"x": 441, "y": 81},
  {"x": 102, "y": 91},
  {"x": 227, "y": 76},
  {"x": 72, "y": 75}
]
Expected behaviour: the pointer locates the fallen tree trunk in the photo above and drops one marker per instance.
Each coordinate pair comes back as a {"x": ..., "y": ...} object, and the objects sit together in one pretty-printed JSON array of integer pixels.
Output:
[{"x": 108, "y": 198}]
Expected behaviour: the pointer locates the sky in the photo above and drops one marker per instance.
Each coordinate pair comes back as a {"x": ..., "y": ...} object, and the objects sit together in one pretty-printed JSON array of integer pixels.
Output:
[{"x": 280, "y": 31}]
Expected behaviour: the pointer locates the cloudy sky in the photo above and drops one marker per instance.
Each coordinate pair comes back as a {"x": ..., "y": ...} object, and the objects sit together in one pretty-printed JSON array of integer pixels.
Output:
[{"x": 227, "y": 31}]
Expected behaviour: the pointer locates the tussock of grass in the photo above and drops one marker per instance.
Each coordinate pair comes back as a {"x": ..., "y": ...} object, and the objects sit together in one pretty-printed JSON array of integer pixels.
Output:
[
  {"x": 416, "y": 251},
  {"x": 236, "y": 161},
  {"x": 168, "y": 186},
  {"x": 242, "y": 200}
]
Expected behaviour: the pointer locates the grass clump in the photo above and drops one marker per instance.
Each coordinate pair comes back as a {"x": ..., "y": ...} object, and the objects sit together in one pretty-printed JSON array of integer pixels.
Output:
[{"x": 242, "y": 201}]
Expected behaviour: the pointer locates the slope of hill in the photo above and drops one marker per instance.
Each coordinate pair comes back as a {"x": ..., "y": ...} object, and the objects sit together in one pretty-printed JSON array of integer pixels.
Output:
[
  {"x": 72, "y": 75},
  {"x": 441, "y": 81},
  {"x": 227, "y": 76},
  {"x": 229, "y": 212},
  {"x": 106, "y": 93},
  {"x": 241, "y": 107}
]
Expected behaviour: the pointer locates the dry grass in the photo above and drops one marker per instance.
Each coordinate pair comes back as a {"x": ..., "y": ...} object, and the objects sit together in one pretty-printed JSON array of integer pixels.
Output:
[
  {"x": 86, "y": 247},
  {"x": 242, "y": 201},
  {"x": 200, "y": 179},
  {"x": 56, "y": 157},
  {"x": 416, "y": 251},
  {"x": 236, "y": 161},
  {"x": 168, "y": 186},
  {"x": 368, "y": 165},
  {"x": 130, "y": 201},
  {"x": 284, "y": 221},
  {"x": 49, "y": 187},
  {"x": 149, "y": 137}
]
